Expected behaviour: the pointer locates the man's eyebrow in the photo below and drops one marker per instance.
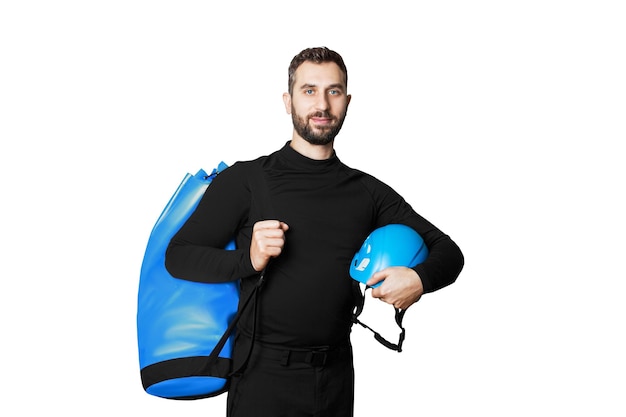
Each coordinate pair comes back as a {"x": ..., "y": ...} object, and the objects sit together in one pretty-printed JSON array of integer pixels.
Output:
[{"x": 336, "y": 86}]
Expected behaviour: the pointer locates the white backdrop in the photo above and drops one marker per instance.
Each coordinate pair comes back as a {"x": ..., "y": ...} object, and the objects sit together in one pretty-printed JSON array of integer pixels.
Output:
[{"x": 499, "y": 121}]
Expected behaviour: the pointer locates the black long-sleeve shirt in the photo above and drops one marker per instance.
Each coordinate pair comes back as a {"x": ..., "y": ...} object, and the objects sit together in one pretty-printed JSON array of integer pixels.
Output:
[{"x": 307, "y": 299}]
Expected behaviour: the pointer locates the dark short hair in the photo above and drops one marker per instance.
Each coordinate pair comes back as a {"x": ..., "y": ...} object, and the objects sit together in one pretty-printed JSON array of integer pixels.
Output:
[{"x": 318, "y": 56}]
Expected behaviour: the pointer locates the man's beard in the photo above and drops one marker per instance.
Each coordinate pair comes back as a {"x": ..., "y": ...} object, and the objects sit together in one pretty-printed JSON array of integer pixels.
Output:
[{"x": 323, "y": 136}]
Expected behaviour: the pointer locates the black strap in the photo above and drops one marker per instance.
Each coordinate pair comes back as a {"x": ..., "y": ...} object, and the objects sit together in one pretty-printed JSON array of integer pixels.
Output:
[
  {"x": 360, "y": 303},
  {"x": 258, "y": 179},
  {"x": 253, "y": 296}
]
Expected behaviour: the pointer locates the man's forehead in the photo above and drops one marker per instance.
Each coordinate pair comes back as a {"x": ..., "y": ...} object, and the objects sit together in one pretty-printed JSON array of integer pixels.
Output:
[{"x": 325, "y": 73}]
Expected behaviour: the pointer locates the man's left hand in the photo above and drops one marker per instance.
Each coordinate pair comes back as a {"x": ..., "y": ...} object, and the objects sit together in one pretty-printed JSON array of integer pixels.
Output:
[{"x": 401, "y": 288}]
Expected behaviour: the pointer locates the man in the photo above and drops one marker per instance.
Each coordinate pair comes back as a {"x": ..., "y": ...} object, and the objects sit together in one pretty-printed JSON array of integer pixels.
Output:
[{"x": 305, "y": 211}]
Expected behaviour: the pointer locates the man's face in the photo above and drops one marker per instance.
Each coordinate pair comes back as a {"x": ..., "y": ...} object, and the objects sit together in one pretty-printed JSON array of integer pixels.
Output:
[{"x": 318, "y": 103}]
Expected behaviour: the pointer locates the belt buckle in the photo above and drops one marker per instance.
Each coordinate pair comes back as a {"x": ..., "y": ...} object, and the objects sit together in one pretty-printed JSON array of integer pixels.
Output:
[{"x": 316, "y": 358}]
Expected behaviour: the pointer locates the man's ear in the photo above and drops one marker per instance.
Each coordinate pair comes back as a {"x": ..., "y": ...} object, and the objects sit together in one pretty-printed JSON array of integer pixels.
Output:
[{"x": 287, "y": 101}]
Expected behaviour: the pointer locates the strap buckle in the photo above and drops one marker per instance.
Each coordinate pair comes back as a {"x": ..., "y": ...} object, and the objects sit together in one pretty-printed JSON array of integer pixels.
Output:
[{"x": 316, "y": 358}]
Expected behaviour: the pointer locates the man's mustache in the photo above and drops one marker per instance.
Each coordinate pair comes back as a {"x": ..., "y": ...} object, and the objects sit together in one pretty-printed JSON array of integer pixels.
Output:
[{"x": 322, "y": 114}]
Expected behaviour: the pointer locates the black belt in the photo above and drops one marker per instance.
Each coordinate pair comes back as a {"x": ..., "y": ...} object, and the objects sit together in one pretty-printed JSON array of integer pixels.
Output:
[{"x": 315, "y": 357}]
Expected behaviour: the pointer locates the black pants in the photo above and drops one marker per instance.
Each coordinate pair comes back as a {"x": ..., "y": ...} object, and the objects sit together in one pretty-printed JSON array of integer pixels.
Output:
[{"x": 292, "y": 383}]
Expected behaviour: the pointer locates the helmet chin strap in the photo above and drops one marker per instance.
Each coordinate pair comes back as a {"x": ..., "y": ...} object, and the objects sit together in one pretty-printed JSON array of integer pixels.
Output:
[{"x": 360, "y": 297}]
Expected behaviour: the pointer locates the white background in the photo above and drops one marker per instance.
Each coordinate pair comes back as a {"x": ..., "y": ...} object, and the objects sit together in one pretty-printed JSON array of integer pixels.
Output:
[{"x": 500, "y": 122}]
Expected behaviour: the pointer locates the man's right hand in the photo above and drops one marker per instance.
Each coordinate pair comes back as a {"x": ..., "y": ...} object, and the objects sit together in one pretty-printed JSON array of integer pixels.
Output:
[{"x": 268, "y": 241}]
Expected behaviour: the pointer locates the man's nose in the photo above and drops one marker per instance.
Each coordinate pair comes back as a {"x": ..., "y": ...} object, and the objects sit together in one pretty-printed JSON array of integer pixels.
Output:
[{"x": 322, "y": 102}]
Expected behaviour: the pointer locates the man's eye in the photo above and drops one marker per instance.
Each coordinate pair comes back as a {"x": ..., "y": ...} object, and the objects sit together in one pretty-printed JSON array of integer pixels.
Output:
[
  {"x": 308, "y": 92},
  {"x": 333, "y": 92}
]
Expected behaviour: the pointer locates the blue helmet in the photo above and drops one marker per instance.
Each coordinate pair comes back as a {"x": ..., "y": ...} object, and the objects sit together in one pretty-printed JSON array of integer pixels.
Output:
[{"x": 390, "y": 245}]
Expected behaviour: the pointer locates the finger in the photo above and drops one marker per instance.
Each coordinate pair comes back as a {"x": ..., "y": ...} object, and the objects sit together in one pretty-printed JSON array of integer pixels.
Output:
[
  {"x": 379, "y": 292},
  {"x": 270, "y": 228},
  {"x": 273, "y": 243},
  {"x": 267, "y": 224},
  {"x": 377, "y": 277},
  {"x": 270, "y": 235}
]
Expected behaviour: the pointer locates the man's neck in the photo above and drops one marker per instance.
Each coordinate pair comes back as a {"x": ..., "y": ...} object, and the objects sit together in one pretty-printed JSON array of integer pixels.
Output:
[{"x": 317, "y": 152}]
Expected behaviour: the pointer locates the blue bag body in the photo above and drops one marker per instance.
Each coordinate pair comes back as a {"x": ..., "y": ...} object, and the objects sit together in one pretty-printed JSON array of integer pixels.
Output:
[{"x": 180, "y": 322}]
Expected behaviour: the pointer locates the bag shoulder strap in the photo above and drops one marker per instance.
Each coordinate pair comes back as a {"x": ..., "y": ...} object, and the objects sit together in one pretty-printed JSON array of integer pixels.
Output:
[{"x": 257, "y": 177}]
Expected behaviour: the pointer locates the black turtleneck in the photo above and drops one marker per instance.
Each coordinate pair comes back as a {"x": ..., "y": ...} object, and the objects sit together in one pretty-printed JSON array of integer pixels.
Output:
[{"x": 307, "y": 299}]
